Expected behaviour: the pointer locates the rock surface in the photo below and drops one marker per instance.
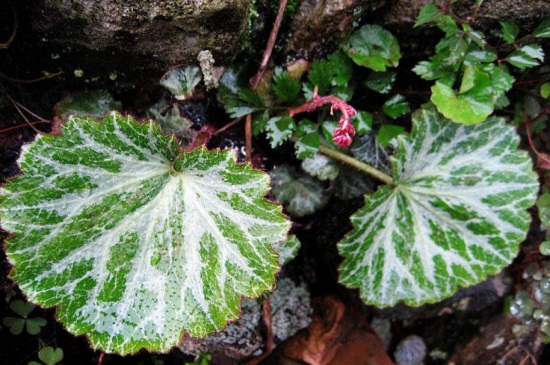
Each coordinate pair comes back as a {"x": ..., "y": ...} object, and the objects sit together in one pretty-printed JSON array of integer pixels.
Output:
[
  {"x": 319, "y": 27},
  {"x": 290, "y": 310},
  {"x": 525, "y": 13},
  {"x": 107, "y": 39}
]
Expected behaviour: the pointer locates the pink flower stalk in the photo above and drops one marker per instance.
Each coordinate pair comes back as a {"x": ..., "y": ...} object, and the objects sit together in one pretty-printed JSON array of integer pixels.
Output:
[{"x": 345, "y": 130}]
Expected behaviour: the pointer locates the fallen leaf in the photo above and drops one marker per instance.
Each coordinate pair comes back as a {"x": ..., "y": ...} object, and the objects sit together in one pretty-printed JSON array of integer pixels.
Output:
[{"x": 336, "y": 337}]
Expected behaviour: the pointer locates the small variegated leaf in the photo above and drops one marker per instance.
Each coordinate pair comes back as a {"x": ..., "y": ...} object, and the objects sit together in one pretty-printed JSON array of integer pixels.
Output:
[
  {"x": 288, "y": 249},
  {"x": 136, "y": 242},
  {"x": 279, "y": 129},
  {"x": 181, "y": 81},
  {"x": 456, "y": 214},
  {"x": 527, "y": 56},
  {"x": 301, "y": 194},
  {"x": 321, "y": 167},
  {"x": 94, "y": 103}
]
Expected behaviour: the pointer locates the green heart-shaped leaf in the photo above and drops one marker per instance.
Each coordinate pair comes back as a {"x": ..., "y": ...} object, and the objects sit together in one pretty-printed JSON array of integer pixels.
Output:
[{"x": 50, "y": 356}]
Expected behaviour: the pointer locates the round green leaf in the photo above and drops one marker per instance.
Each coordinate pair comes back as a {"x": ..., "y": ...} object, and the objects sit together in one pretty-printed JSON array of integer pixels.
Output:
[
  {"x": 456, "y": 214},
  {"x": 135, "y": 242},
  {"x": 471, "y": 107},
  {"x": 374, "y": 47}
]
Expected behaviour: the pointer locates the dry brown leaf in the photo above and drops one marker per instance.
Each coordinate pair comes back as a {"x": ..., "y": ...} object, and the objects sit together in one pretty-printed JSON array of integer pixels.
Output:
[{"x": 336, "y": 337}]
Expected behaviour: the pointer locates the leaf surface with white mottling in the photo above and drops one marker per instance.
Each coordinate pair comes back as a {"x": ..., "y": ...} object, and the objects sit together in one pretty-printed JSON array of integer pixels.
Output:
[
  {"x": 456, "y": 214},
  {"x": 135, "y": 242}
]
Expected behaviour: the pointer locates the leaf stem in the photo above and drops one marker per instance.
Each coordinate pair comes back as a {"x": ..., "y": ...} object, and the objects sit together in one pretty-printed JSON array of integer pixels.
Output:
[{"x": 357, "y": 164}]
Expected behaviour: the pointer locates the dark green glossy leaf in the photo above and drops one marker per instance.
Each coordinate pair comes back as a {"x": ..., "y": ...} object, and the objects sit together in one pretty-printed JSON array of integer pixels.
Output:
[
  {"x": 285, "y": 87},
  {"x": 374, "y": 47},
  {"x": 381, "y": 82},
  {"x": 235, "y": 96},
  {"x": 429, "y": 13},
  {"x": 527, "y": 56},
  {"x": 321, "y": 75},
  {"x": 307, "y": 145},
  {"x": 396, "y": 106},
  {"x": 543, "y": 30},
  {"x": 362, "y": 122},
  {"x": 387, "y": 132},
  {"x": 474, "y": 57},
  {"x": 342, "y": 68},
  {"x": 509, "y": 31}
]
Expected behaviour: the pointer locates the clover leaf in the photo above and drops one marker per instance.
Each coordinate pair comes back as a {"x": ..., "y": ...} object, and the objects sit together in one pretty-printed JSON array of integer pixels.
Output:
[{"x": 17, "y": 324}]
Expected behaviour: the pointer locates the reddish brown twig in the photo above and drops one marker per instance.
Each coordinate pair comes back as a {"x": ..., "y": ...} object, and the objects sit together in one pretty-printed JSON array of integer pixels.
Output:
[
  {"x": 269, "y": 47},
  {"x": 20, "y": 108},
  {"x": 227, "y": 126},
  {"x": 201, "y": 139},
  {"x": 101, "y": 356},
  {"x": 543, "y": 158},
  {"x": 266, "y": 309},
  {"x": 23, "y": 125},
  {"x": 248, "y": 137},
  {"x": 45, "y": 77},
  {"x": 7, "y": 43}
]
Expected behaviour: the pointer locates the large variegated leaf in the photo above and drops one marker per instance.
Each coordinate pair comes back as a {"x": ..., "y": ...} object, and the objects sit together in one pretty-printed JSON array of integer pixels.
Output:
[
  {"x": 134, "y": 242},
  {"x": 455, "y": 215}
]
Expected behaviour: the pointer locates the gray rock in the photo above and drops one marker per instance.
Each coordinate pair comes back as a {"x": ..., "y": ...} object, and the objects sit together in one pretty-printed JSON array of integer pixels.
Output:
[
  {"x": 290, "y": 310},
  {"x": 320, "y": 26},
  {"x": 410, "y": 351},
  {"x": 526, "y": 14},
  {"x": 102, "y": 37}
]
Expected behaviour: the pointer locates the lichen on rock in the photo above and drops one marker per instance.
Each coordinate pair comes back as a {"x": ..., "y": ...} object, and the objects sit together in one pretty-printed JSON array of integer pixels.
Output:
[{"x": 290, "y": 308}]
